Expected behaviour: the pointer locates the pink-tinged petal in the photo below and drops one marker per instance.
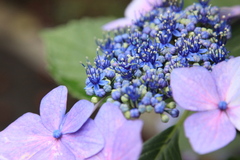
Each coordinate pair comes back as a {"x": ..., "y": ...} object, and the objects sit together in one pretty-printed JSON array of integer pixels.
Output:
[
  {"x": 122, "y": 137},
  {"x": 227, "y": 75},
  {"x": 139, "y": 7},
  {"x": 99, "y": 156},
  {"x": 55, "y": 151},
  {"x": 77, "y": 116},
  {"x": 230, "y": 12},
  {"x": 118, "y": 23},
  {"x": 194, "y": 89},
  {"x": 109, "y": 119},
  {"x": 25, "y": 137},
  {"x": 85, "y": 142},
  {"x": 208, "y": 131},
  {"x": 234, "y": 116},
  {"x": 127, "y": 142},
  {"x": 53, "y": 108}
]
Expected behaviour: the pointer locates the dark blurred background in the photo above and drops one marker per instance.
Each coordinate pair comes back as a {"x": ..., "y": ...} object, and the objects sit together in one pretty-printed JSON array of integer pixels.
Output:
[{"x": 23, "y": 76}]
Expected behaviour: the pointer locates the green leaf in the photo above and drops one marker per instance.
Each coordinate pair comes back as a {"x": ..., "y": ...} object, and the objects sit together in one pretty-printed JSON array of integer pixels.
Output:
[
  {"x": 233, "y": 43},
  {"x": 164, "y": 146},
  {"x": 69, "y": 44},
  {"x": 219, "y": 3}
]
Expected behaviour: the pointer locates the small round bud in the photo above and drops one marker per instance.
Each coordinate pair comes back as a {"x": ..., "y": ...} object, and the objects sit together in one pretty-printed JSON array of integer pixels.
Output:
[
  {"x": 174, "y": 113},
  {"x": 134, "y": 113},
  {"x": 142, "y": 108},
  {"x": 149, "y": 108},
  {"x": 94, "y": 100},
  {"x": 124, "y": 107},
  {"x": 124, "y": 98},
  {"x": 171, "y": 105},
  {"x": 164, "y": 118},
  {"x": 127, "y": 115},
  {"x": 89, "y": 91},
  {"x": 159, "y": 108}
]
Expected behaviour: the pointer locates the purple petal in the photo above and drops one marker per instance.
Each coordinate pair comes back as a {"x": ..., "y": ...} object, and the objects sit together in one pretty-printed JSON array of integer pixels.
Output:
[
  {"x": 127, "y": 142},
  {"x": 25, "y": 137},
  {"x": 139, "y": 7},
  {"x": 118, "y": 23},
  {"x": 202, "y": 50},
  {"x": 56, "y": 151},
  {"x": 176, "y": 33},
  {"x": 99, "y": 156},
  {"x": 122, "y": 137},
  {"x": 86, "y": 142},
  {"x": 103, "y": 82},
  {"x": 234, "y": 116},
  {"x": 230, "y": 12},
  {"x": 209, "y": 131},
  {"x": 227, "y": 75},
  {"x": 77, "y": 116},
  {"x": 194, "y": 89},
  {"x": 133, "y": 11},
  {"x": 109, "y": 119},
  {"x": 53, "y": 108}
]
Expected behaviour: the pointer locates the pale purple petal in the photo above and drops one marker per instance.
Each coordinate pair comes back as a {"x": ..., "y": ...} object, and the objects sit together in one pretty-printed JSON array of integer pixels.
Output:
[
  {"x": 227, "y": 76},
  {"x": 99, "y": 156},
  {"x": 77, "y": 116},
  {"x": 55, "y": 151},
  {"x": 139, "y": 7},
  {"x": 230, "y": 12},
  {"x": 109, "y": 119},
  {"x": 85, "y": 142},
  {"x": 25, "y": 137},
  {"x": 118, "y": 23},
  {"x": 234, "y": 116},
  {"x": 208, "y": 131},
  {"x": 53, "y": 108},
  {"x": 127, "y": 142},
  {"x": 133, "y": 11},
  {"x": 122, "y": 137},
  {"x": 194, "y": 89}
]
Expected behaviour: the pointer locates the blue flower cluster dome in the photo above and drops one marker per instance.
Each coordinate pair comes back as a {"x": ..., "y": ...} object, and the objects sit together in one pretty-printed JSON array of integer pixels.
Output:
[{"x": 134, "y": 65}]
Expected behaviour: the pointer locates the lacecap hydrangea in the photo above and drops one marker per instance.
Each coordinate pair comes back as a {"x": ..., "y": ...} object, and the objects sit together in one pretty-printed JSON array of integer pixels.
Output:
[{"x": 133, "y": 66}]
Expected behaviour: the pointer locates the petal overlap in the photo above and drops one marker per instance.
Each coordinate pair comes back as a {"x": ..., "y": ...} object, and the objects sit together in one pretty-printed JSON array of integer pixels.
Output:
[{"x": 77, "y": 116}]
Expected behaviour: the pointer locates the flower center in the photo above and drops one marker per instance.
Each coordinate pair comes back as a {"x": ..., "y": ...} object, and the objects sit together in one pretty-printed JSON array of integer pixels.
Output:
[
  {"x": 57, "y": 134},
  {"x": 222, "y": 105}
]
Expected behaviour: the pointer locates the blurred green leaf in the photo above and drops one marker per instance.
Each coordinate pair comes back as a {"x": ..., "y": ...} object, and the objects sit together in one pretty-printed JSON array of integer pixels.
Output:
[
  {"x": 219, "y": 3},
  {"x": 233, "y": 43},
  {"x": 69, "y": 44},
  {"x": 164, "y": 146}
]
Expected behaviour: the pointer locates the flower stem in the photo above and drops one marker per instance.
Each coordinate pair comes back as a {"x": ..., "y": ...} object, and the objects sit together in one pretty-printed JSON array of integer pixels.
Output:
[
  {"x": 99, "y": 102},
  {"x": 183, "y": 117}
]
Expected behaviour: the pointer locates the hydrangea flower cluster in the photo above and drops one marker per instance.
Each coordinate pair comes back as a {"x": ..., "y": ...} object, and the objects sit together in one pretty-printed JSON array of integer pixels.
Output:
[{"x": 134, "y": 67}]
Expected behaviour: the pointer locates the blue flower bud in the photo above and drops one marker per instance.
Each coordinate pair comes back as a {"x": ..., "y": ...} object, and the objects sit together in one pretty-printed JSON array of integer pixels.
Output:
[
  {"x": 174, "y": 113},
  {"x": 134, "y": 113},
  {"x": 159, "y": 108}
]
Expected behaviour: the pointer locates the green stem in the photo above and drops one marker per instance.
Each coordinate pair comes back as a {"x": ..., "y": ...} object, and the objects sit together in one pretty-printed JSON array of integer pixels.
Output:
[
  {"x": 183, "y": 117},
  {"x": 99, "y": 102},
  {"x": 175, "y": 130}
]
